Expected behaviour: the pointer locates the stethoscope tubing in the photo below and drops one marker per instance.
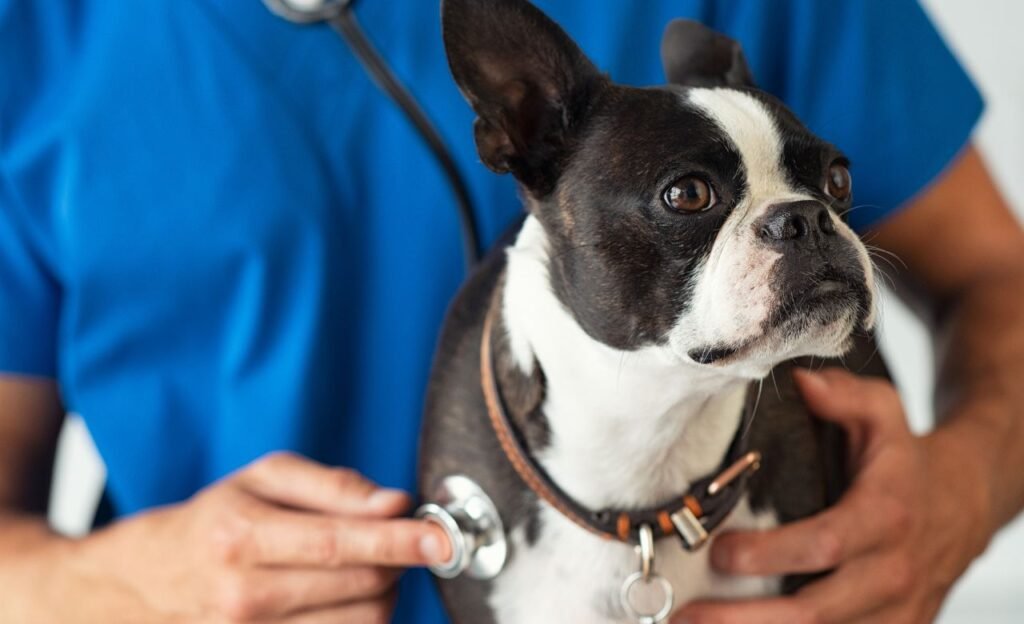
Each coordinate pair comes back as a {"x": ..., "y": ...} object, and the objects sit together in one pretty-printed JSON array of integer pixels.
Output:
[{"x": 339, "y": 15}]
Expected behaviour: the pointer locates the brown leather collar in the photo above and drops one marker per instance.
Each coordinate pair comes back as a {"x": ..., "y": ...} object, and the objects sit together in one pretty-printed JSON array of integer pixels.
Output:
[{"x": 691, "y": 516}]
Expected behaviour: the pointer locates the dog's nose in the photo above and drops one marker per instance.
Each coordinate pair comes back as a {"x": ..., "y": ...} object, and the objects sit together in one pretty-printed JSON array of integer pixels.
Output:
[{"x": 798, "y": 221}]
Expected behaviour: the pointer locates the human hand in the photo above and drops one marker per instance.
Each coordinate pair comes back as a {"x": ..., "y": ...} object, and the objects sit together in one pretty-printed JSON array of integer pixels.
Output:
[
  {"x": 910, "y": 524},
  {"x": 283, "y": 540}
]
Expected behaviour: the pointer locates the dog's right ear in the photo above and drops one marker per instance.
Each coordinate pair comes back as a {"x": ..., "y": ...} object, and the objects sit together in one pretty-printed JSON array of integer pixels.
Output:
[{"x": 527, "y": 81}]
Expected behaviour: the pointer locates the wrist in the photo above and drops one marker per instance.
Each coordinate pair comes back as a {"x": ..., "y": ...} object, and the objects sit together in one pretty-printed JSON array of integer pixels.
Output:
[
  {"x": 30, "y": 570},
  {"x": 75, "y": 580},
  {"x": 961, "y": 467}
]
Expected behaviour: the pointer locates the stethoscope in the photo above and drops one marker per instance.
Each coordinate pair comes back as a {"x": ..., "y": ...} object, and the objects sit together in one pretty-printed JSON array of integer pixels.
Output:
[
  {"x": 339, "y": 15},
  {"x": 459, "y": 506}
]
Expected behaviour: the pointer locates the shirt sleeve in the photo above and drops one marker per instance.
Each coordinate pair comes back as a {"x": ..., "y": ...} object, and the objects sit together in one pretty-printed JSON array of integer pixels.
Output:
[
  {"x": 29, "y": 289},
  {"x": 29, "y": 295},
  {"x": 875, "y": 78}
]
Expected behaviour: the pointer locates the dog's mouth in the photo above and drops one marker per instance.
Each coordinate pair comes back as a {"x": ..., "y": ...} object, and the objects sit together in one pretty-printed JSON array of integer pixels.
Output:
[{"x": 822, "y": 299}]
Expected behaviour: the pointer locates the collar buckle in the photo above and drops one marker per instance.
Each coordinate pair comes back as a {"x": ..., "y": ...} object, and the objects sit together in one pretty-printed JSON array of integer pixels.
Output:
[
  {"x": 691, "y": 520},
  {"x": 690, "y": 529}
]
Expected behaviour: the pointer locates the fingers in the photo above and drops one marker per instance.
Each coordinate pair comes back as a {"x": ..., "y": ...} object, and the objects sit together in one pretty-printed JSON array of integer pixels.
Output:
[
  {"x": 858, "y": 589},
  {"x": 841, "y": 396},
  {"x": 854, "y": 592},
  {"x": 293, "y": 481},
  {"x": 369, "y": 612},
  {"x": 858, "y": 524},
  {"x": 856, "y": 403},
  {"x": 767, "y": 611},
  {"x": 266, "y": 593},
  {"x": 291, "y": 538}
]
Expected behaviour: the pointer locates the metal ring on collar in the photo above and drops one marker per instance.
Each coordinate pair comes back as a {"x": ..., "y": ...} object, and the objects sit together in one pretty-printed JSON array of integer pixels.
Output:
[
  {"x": 646, "y": 551},
  {"x": 640, "y": 616}
]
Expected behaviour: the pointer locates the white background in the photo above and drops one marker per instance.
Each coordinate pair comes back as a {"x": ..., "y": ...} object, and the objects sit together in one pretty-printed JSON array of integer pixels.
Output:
[{"x": 987, "y": 36}]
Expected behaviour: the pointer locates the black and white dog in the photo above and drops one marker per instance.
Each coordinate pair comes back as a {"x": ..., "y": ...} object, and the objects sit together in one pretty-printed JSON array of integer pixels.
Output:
[{"x": 680, "y": 243}]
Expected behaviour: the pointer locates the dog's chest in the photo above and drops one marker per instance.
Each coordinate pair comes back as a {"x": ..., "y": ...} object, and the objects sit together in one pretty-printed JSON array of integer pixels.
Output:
[
  {"x": 569, "y": 575},
  {"x": 605, "y": 459}
]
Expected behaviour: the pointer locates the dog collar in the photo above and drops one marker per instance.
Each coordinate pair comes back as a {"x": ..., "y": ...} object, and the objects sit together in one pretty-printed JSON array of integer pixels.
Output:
[{"x": 692, "y": 516}]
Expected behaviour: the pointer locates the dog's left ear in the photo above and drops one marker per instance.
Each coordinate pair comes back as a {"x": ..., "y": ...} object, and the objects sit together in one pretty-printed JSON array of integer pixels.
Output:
[
  {"x": 527, "y": 81},
  {"x": 696, "y": 56}
]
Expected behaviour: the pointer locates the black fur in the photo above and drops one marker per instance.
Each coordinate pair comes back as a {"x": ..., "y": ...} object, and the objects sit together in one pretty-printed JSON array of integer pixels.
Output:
[
  {"x": 529, "y": 84},
  {"x": 694, "y": 55}
]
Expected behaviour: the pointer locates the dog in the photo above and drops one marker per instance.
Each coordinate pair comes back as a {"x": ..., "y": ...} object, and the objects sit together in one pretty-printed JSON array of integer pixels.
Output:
[{"x": 601, "y": 367}]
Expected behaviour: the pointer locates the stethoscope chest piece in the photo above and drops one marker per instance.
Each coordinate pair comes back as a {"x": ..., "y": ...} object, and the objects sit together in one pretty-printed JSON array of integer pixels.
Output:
[{"x": 474, "y": 528}]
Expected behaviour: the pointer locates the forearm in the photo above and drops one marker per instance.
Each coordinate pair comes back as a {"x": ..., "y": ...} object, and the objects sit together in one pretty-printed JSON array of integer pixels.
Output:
[
  {"x": 31, "y": 415},
  {"x": 46, "y": 577},
  {"x": 980, "y": 389},
  {"x": 21, "y": 533},
  {"x": 964, "y": 253},
  {"x": 27, "y": 546}
]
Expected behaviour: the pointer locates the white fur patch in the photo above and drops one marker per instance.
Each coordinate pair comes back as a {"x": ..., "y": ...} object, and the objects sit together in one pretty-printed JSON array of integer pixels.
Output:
[
  {"x": 602, "y": 402},
  {"x": 628, "y": 428},
  {"x": 752, "y": 130},
  {"x": 734, "y": 293},
  {"x": 571, "y": 576}
]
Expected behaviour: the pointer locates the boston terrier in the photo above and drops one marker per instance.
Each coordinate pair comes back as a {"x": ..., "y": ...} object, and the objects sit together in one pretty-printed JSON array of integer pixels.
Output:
[{"x": 599, "y": 376}]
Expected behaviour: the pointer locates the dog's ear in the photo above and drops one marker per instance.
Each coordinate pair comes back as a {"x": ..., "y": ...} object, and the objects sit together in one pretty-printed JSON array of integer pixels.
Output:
[
  {"x": 527, "y": 81},
  {"x": 694, "y": 55}
]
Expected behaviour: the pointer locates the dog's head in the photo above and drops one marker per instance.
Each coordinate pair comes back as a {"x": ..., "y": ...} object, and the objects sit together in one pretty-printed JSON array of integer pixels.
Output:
[{"x": 701, "y": 216}]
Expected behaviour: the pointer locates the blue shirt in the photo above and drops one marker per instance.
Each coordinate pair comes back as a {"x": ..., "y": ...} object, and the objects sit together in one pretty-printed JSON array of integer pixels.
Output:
[{"x": 221, "y": 238}]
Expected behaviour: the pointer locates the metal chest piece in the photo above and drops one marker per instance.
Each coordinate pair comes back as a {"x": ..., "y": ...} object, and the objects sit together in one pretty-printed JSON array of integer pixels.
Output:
[{"x": 474, "y": 528}]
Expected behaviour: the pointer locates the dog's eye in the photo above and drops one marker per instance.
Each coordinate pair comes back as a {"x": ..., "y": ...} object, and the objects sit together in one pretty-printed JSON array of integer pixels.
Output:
[
  {"x": 689, "y": 194},
  {"x": 839, "y": 184}
]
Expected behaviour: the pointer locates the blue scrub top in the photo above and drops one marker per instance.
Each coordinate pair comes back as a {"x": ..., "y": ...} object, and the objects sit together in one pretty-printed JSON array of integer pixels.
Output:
[{"x": 222, "y": 240}]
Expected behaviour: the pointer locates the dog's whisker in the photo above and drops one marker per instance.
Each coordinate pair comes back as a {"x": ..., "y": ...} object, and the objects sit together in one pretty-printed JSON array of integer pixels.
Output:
[
  {"x": 857, "y": 207},
  {"x": 753, "y": 411},
  {"x": 888, "y": 261},
  {"x": 778, "y": 393},
  {"x": 873, "y": 249},
  {"x": 884, "y": 276}
]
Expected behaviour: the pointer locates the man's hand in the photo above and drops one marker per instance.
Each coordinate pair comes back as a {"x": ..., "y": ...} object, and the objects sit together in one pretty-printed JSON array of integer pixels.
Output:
[
  {"x": 283, "y": 540},
  {"x": 912, "y": 521}
]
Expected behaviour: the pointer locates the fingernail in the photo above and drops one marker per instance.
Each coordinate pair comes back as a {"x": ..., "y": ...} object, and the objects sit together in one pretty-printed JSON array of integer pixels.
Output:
[
  {"x": 810, "y": 378},
  {"x": 387, "y": 499},
  {"x": 431, "y": 549}
]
